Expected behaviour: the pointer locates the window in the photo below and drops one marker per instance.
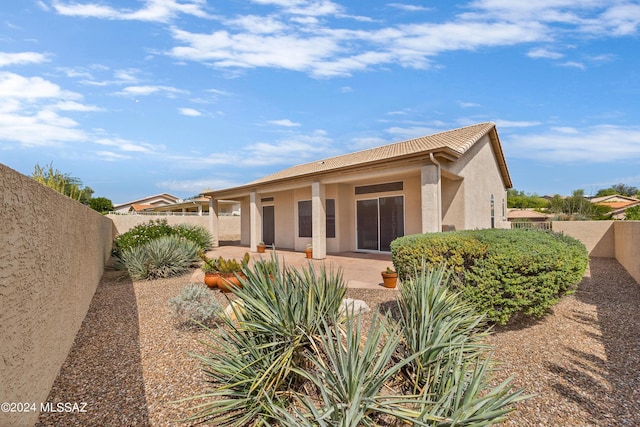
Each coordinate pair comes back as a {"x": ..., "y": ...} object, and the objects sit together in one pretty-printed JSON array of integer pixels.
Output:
[
  {"x": 305, "y": 225},
  {"x": 379, "y": 188},
  {"x": 493, "y": 220},
  {"x": 304, "y": 218}
]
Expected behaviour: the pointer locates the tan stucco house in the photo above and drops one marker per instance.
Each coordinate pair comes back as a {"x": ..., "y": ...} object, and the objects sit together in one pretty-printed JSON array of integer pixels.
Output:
[
  {"x": 362, "y": 201},
  {"x": 163, "y": 199}
]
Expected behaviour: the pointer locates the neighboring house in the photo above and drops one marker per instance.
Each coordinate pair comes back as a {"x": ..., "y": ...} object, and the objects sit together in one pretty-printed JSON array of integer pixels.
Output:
[
  {"x": 615, "y": 201},
  {"x": 364, "y": 200},
  {"x": 147, "y": 202},
  {"x": 527, "y": 215},
  {"x": 198, "y": 206},
  {"x": 621, "y": 212}
]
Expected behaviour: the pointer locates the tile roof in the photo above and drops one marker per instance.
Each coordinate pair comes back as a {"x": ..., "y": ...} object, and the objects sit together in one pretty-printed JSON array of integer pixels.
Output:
[
  {"x": 456, "y": 142},
  {"x": 449, "y": 145}
]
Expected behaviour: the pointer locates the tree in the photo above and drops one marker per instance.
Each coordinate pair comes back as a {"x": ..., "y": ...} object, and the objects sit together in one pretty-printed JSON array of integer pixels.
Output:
[
  {"x": 632, "y": 213},
  {"x": 577, "y": 207},
  {"x": 61, "y": 182},
  {"x": 101, "y": 204},
  {"x": 622, "y": 189},
  {"x": 69, "y": 186},
  {"x": 520, "y": 200}
]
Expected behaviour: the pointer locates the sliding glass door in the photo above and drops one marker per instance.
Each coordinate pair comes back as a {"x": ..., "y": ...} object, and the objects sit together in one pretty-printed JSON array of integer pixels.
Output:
[{"x": 378, "y": 222}]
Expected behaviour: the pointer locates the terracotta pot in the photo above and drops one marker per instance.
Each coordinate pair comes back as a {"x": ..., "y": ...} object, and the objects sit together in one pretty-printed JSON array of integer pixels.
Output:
[
  {"x": 226, "y": 278},
  {"x": 261, "y": 248},
  {"x": 308, "y": 253},
  {"x": 211, "y": 279},
  {"x": 390, "y": 279}
]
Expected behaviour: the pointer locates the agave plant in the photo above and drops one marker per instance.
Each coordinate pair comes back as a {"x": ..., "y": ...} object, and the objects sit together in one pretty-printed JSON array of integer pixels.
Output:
[
  {"x": 452, "y": 369},
  {"x": 162, "y": 257}
]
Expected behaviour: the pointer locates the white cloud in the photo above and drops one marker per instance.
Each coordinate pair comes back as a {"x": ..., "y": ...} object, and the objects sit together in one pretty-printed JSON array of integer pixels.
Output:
[
  {"x": 410, "y": 132},
  {"x": 189, "y": 112},
  {"x": 150, "y": 90},
  {"x": 126, "y": 145},
  {"x": 152, "y": 11},
  {"x": 73, "y": 106},
  {"x": 573, "y": 64},
  {"x": 544, "y": 53},
  {"x": 19, "y": 87},
  {"x": 197, "y": 186},
  {"x": 367, "y": 142},
  {"x": 594, "y": 144},
  {"x": 464, "y": 104},
  {"x": 516, "y": 124},
  {"x": 409, "y": 7},
  {"x": 291, "y": 150},
  {"x": 21, "y": 58},
  {"x": 329, "y": 52},
  {"x": 283, "y": 122},
  {"x": 110, "y": 156}
]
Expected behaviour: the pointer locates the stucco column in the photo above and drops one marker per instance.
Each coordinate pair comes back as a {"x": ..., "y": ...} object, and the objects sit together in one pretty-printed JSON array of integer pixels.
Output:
[
  {"x": 213, "y": 221},
  {"x": 255, "y": 213},
  {"x": 318, "y": 221},
  {"x": 199, "y": 209},
  {"x": 431, "y": 198}
]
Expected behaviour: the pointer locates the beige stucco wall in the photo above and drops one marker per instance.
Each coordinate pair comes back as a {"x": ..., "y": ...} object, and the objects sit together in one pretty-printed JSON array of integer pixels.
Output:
[
  {"x": 52, "y": 255},
  {"x": 597, "y": 236},
  {"x": 228, "y": 226},
  {"x": 482, "y": 179},
  {"x": 627, "y": 246}
]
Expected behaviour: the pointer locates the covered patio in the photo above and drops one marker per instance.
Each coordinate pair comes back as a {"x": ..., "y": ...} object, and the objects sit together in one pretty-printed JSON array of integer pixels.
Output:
[{"x": 359, "y": 270}]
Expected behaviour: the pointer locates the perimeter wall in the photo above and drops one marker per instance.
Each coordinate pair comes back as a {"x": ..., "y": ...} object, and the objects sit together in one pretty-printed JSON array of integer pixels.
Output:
[
  {"x": 609, "y": 239},
  {"x": 52, "y": 255}
]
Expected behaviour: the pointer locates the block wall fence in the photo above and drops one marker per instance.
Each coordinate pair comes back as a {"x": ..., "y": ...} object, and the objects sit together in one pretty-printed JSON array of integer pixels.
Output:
[{"x": 53, "y": 251}]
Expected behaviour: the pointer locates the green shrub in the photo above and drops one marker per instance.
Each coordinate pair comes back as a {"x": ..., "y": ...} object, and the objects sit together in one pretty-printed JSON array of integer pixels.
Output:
[
  {"x": 141, "y": 234},
  {"x": 195, "y": 303},
  {"x": 197, "y": 234},
  {"x": 289, "y": 361},
  {"x": 162, "y": 257},
  {"x": 503, "y": 272},
  {"x": 144, "y": 233}
]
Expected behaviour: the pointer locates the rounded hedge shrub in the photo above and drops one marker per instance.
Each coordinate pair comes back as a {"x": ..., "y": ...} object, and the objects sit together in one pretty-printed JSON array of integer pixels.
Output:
[
  {"x": 144, "y": 233},
  {"x": 502, "y": 272}
]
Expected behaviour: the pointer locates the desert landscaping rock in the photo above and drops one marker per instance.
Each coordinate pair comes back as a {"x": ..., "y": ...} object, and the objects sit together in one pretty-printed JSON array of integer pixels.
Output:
[{"x": 131, "y": 364}]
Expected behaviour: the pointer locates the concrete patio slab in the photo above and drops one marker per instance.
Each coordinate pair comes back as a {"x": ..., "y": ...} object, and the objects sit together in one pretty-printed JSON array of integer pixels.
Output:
[{"x": 359, "y": 270}]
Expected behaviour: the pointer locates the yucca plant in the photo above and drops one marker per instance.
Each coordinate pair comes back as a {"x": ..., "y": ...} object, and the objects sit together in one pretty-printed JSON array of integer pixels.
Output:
[
  {"x": 289, "y": 361},
  {"x": 258, "y": 360},
  {"x": 160, "y": 258},
  {"x": 453, "y": 368},
  {"x": 352, "y": 374}
]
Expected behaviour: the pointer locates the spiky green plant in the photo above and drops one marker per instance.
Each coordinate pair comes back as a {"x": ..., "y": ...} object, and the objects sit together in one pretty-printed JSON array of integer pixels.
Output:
[
  {"x": 453, "y": 367},
  {"x": 289, "y": 361},
  {"x": 256, "y": 361},
  {"x": 159, "y": 258},
  {"x": 352, "y": 373}
]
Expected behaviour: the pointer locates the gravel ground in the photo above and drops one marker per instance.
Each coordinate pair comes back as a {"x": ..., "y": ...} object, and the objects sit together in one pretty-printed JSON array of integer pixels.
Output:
[{"x": 130, "y": 361}]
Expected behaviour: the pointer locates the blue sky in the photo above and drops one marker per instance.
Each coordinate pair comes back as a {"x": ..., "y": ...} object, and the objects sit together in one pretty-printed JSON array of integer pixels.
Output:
[{"x": 140, "y": 97}]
